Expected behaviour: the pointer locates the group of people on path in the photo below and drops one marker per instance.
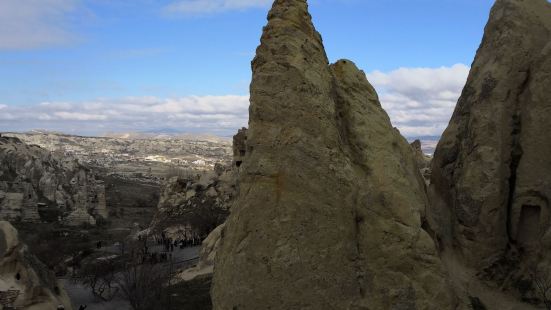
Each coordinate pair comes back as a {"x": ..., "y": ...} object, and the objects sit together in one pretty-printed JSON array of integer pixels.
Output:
[
  {"x": 169, "y": 245},
  {"x": 183, "y": 243},
  {"x": 62, "y": 307}
]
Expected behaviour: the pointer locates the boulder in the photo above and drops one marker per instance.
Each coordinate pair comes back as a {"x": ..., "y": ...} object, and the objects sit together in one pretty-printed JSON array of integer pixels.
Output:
[
  {"x": 23, "y": 278},
  {"x": 207, "y": 256}
]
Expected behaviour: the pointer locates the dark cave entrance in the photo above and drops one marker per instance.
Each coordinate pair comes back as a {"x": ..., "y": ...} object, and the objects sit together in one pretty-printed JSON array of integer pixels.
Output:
[{"x": 529, "y": 224}]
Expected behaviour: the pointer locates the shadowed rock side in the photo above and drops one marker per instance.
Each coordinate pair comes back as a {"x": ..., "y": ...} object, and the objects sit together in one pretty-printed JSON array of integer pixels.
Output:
[
  {"x": 492, "y": 168},
  {"x": 24, "y": 277},
  {"x": 331, "y": 201}
]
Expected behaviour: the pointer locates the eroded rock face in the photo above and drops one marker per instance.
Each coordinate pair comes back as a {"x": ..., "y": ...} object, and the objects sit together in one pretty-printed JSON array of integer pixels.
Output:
[
  {"x": 331, "y": 202},
  {"x": 239, "y": 147},
  {"x": 492, "y": 168},
  {"x": 423, "y": 161},
  {"x": 36, "y": 186},
  {"x": 194, "y": 206},
  {"x": 22, "y": 275}
]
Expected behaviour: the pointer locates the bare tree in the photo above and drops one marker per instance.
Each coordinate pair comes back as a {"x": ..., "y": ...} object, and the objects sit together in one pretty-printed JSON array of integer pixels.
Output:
[
  {"x": 101, "y": 277},
  {"x": 542, "y": 286},
  {"x": 144, "y": 285}
]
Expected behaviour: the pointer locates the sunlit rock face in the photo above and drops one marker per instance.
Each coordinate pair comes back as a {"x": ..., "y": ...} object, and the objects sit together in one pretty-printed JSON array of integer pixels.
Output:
[
  {"x": 491, "y": 179},
  {"x": 37, "y": 186},
  {"x": 331, "y": 202}
]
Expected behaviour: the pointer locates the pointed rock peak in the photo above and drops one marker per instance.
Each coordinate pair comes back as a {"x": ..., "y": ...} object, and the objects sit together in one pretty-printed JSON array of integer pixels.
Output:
[
  {"x": 349, "y": 77},
  {"x": 292, "y": 11},
  {"x": 290, "y": 31},
  {"x": 321, "y": 158}
]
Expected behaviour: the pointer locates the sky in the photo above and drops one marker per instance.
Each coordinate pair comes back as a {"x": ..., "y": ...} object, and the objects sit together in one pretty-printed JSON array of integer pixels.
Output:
[{"x": 91, "y": 67}]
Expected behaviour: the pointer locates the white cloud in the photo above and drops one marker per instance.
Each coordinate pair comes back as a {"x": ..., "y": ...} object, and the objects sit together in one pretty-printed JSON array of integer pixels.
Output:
[
  {"x": 76, "y": 116},
  {"x": 214, "y": 114},
  {"x": 34, "y": 23},
  {"x": 420, "y": 101},
  {"x": 199, "y": 7}
]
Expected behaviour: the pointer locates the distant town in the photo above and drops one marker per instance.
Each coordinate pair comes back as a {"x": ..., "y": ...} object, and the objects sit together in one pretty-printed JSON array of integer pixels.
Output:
[{"x": 145, "y": 157}]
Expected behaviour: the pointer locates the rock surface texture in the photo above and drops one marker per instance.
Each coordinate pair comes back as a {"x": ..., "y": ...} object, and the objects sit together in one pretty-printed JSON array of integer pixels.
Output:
[
  {"x": 331, "y": 203},
  {"x": 191, "y": 207},
  {"x": 37, "y": 186},
  {"x": 239, "y": 147},
  {"x": 22, "y": 275},
  {"x": 423, "y": 161},
  {"x": 194, "y": 206},
  {"x": 491, "y": 173}
]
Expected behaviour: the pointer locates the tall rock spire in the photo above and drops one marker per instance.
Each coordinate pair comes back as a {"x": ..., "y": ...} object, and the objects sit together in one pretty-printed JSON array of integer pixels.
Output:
[
  {"x": 491, "y": 181},
  {"x": 331, "y": 201}
]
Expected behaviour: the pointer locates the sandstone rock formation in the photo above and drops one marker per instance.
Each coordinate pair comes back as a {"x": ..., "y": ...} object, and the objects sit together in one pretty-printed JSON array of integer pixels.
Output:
[
  {"x": 423, "y": 161},
  {"x": 23, "y": 276},
  {"x": 193, "y": 206},
  {"x": 37, "y": 186},
  {"x": 492, "y": 168},
  {"x": 207, "y": 256},
  {"x": 239, "y": 147},
  {"x": 331, "y": 203}
]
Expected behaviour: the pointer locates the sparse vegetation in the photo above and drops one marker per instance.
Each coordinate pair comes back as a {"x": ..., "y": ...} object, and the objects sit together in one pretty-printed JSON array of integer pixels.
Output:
[
  {"x": 100, "y": 275},
  {"x": 542, "y": 286}
]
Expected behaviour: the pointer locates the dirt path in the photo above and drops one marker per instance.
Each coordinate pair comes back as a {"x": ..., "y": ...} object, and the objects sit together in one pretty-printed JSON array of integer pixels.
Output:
[{"x": 466, "y": 284}]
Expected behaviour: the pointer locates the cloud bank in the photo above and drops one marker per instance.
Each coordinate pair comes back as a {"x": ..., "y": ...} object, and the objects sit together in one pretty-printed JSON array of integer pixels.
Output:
[
  {"x": 220, "y": 115},
  {"x": 420, "y": 101},
  {"x": 28, "y": 24}
]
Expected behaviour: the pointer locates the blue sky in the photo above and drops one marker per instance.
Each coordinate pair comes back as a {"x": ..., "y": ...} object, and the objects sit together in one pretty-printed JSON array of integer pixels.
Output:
[{"x": 93, "y": 66}]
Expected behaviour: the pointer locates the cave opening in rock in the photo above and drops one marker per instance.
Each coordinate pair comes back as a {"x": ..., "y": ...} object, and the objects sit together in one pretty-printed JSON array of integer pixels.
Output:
[{"x": 529, "y": 224}]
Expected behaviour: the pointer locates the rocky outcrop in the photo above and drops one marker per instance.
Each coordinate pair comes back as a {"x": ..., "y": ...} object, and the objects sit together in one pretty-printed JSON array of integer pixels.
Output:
[
  {"x": 423, "y": 161},
  {"x": 24, "y": 281},
  {"x": 239, "y": 147},
  {"x": 207, "y": 255},
  {"x": 331, "y": 203},
  {"x": 37, "y": 186},
  {"x": 491, "y": 179},
  {"x": 192, "y": 207}
]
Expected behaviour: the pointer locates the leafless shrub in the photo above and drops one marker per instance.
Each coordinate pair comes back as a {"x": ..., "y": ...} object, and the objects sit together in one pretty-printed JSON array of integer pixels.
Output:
[
  {"x": 101, "y": 277},
  {"x": 542, "y": 285},
  {"x": 144, "y": 285}
]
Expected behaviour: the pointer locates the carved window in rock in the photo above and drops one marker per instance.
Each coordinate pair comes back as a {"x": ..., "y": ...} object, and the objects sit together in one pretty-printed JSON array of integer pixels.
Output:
[
  {"x": 529, "y": 230},
  {"x": 530, "y": 218}
]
